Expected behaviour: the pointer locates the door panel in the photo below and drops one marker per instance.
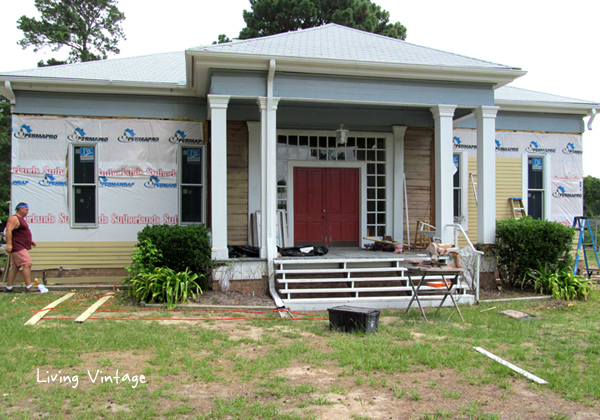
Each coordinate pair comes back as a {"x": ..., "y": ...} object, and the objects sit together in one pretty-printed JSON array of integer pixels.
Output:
[{"x": 326, "y": 206}]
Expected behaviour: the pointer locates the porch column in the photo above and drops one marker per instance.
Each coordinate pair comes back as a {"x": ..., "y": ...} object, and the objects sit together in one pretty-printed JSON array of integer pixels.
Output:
[
  {"x": 217, "y": 114},
  {"x": 399, "y": 133},
  {"x": 444, "y": 171},
  {"x": 486, "y": 173},
  {"x": 268, "y": 174}
]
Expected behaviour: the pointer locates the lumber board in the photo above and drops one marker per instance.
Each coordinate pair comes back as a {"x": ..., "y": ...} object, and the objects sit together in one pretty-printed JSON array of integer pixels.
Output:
[
  {"x": 89, "y": 311},
  {"x": 40, "y": 314}
]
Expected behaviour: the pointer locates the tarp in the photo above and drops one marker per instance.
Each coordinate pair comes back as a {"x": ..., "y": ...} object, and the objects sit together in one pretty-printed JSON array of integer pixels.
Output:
[
  {"x": 137, "y": 173},
  {"x": 566, "y": 168}
]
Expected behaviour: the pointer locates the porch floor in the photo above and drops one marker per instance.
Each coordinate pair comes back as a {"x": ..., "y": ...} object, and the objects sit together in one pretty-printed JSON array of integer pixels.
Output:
[{"x": 361, "y": 253}]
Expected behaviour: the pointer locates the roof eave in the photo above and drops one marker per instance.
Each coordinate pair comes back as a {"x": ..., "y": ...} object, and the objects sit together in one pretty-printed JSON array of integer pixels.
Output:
[
  {"x": 205, "y": 60},
  {"x": 65, "y": 85},
  {"x": 583, "y": 109}
]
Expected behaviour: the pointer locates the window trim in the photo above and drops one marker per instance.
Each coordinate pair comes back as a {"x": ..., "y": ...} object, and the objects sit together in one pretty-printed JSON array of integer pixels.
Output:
[
  {"x": 72, "y": 184},
  {"x": 547, "y": 183},
  {"x": 463, "y": 174},
  {"x": 180, "y": 184}
]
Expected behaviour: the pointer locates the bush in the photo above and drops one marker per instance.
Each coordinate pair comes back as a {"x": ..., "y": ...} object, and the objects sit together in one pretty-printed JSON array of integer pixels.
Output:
[
  {"x": 164, "y": 285},
  {"x": 176, "y": 247},
  {"x": 522, "y": 245},
  {"x": 561, "y": 284}
]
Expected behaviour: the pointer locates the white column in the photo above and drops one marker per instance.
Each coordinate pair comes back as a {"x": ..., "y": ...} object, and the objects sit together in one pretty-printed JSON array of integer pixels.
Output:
[
  {"x": 399, "y": 133},
  {"x": 254, "y": 174},
  {"x": 486, "y": 174},
  {"x": 268, "y": 121},
  {"x": 444, "y": 171},
  {"x": 218, "y": 171}
]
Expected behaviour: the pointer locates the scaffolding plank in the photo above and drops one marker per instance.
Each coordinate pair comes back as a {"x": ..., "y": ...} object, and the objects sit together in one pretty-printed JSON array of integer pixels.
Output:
[
  {"x": 39, "y": 314},
  {"x": 89, "y": 311}
]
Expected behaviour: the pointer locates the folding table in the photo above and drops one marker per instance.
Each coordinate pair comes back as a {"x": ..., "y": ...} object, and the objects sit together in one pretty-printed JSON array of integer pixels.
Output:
[{"x": 436, "y": 289}]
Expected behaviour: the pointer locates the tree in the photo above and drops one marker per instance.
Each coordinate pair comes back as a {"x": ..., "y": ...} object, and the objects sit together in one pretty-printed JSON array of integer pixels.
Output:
[
  {"x": 5, "y": 156},
  {"x": 222, "y": 39},
  {"x": 90, "y": 28},
  {"x": 591, "y": 196},
  {"x": 270, "y": 17}
]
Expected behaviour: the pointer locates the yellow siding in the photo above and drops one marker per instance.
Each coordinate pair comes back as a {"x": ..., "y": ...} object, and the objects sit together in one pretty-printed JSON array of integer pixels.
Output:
[
  {"x": 82, "y": 254},
  {"x": 508, "y": 184}
]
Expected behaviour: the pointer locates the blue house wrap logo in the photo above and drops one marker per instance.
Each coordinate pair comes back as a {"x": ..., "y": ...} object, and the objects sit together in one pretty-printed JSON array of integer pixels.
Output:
[
  {"x": 103, "y": 181},
  {"x": 50, "y": 181},
  {"x": 154, "y": 182},
  {"x": 534, "y": 147},
  {"x": 458, "y": 144},
  {"x": 80, "y": 135},
  {"x": 561, "y": 192},
  {"x": 180, "y": 137},
  {"x": 25, "y": 132},
  {"x": 570, "y": 150},
  {"x": 499, "y": 147},
  {"x": 20, "y": 182},
  {"x": 129, "y": 136}
]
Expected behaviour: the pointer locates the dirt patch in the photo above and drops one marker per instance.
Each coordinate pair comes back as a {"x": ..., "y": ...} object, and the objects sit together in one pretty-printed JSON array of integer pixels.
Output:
[{"x": 211, "y": 297}]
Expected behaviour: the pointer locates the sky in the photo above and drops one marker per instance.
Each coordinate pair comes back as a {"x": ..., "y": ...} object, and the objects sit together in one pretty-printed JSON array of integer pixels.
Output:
[{"x": 557, "y": 45}]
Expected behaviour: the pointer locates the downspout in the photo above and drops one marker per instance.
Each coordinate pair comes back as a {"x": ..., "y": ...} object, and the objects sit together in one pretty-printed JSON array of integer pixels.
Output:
[
  {"x": 9, "y": 93},
  {"x": 270, "y": 265},
  {"x": 590, "y": 121}
]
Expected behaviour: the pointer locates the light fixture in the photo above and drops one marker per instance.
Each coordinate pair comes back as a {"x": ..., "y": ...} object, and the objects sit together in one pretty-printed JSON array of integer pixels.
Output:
[{"x": 341, "y": 135}]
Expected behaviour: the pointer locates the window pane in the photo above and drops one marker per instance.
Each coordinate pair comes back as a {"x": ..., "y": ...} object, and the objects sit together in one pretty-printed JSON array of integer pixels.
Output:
[
  {"x": 191, "y": 204},
  {"x": 457, "y": 212},
  {"x": 535, "y": 204},
  {"x": 83, "y": 165},
  {"x": 191, "y": 166},
  {"x": 536, "y": 173},
  {"x": 85, "y": 204}
]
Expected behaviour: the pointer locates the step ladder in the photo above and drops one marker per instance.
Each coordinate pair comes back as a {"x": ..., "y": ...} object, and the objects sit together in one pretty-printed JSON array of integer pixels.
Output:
[
  {"x": 581, "y": 224},
  {"x": 474, "y": 185},
  {"x": 517, "y": 207}
]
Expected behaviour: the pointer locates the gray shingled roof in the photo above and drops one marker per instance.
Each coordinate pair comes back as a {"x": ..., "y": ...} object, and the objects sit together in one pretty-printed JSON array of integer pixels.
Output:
[
  {"x": 333, "y": 41},
  {"x": 154, "y": 68},
  {"x": 511, "y": 93}
]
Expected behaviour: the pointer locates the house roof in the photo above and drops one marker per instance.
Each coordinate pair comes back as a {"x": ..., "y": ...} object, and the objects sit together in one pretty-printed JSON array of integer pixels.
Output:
[
  {"x": 165, "y": 68},
  {"x": 511, "y": 98},
  {"x": 338, "y": 42}
]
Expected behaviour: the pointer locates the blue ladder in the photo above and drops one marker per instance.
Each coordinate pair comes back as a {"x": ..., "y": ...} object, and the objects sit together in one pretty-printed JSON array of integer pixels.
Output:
[{"x": 581, "y": 224}]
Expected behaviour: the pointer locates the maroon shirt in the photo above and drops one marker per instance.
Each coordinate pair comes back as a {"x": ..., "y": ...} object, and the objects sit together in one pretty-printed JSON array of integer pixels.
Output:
[{"x": 21, "y": 236}]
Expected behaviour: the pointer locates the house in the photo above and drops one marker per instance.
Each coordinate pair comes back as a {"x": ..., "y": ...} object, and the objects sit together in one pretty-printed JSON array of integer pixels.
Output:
[{"x": 346, "y": 131}]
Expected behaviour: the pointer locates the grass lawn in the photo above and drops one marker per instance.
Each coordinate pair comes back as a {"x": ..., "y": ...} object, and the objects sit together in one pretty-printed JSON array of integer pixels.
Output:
[{"x": 264, "y": 367}]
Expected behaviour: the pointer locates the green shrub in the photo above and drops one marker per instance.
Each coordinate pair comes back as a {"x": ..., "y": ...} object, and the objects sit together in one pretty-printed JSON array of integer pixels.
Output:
[
  {"x": 163, "y": 285},
  {"x": 176, "y": 247},
  {"x": 522, "y": 245},
  {"x": 561, "y": 284}
]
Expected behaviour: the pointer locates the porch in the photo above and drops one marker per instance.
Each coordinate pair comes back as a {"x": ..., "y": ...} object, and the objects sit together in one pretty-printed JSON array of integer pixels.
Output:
[{"x": 344, "y": 276}]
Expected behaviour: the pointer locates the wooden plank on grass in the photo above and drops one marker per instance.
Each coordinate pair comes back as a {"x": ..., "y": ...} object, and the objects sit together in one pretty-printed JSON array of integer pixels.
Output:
[
  {"x": 92, "y": 309},
  {"x": 39, "y": 314},
  {"x": 511, "y": 366}
]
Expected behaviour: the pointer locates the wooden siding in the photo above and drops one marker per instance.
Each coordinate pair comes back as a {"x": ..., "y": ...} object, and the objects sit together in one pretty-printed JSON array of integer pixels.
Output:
[
  {"x": 508, "y": 184},
  {"x": 237, "y": 183},
  {"x": 418, "y": 166},
  {"x": 82, "y": 254}
]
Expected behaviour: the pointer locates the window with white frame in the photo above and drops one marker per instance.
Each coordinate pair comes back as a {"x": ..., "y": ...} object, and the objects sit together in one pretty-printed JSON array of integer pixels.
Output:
[
  {"x": 83, "y": 185},
  {"x": 460, "y": 189},
  {"x": 535, "y": 187},
  {"x": 192, "y": 189}
]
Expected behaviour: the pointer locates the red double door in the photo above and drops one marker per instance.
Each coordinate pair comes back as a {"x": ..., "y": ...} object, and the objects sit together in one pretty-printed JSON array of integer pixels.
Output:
[{"x": 326, "y": 207}]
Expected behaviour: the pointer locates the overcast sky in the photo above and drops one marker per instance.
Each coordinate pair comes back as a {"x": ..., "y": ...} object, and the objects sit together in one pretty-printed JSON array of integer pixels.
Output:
[{"x": 557, "y": 45}]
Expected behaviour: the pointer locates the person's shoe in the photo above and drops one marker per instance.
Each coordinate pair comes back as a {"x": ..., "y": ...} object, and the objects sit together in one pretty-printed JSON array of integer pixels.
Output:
[
  {"x": 5, "y": 290},
  {"x": 31, "y": 290}
]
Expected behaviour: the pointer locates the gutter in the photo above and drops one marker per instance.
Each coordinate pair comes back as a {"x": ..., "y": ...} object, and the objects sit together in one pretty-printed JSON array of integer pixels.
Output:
[{"x": 8, "y": 93}]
